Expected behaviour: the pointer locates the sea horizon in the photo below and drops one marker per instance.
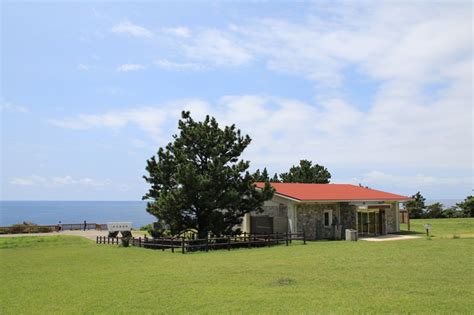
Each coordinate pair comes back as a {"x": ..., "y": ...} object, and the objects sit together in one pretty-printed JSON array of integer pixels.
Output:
[{"x": 48, "y": 212}]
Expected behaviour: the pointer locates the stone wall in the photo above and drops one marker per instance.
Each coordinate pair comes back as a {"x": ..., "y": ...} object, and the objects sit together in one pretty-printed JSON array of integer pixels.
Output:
[
  {"x": 391, "y": 220},
  {"x": 310, "y": 219},
  {"x": 280, "y": 210},
  {"x": 279, "y": 213},
  {"x": 348, "y": 217}
]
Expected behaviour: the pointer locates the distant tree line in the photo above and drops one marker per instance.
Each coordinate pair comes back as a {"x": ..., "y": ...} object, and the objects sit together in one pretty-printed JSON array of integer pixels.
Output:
[
  {"x": 418, "y": 209},
  {"x": 305, "y": 172}
]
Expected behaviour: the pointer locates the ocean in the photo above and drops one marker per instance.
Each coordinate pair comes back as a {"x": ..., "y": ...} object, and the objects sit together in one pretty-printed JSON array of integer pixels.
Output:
[{"x": 51, "y": 212}]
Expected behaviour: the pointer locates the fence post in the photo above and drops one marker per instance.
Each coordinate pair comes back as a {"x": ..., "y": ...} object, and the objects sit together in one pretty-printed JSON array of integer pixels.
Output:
[
  {"x": 249, "y": 240},
  {"x": 278, "y": 240},
  {"x": 108, "y": 240},
  {"x": 304, "y": 238},
  {"x": 162, "y": 244},
  {"x": 228, "y": 243},
  {"x": 182, "y": 245},
  {"x": 268, "y": 240},
  {"x": 207, "y": 243},
  {"x": 97, "y": 240},
  {"x": 286, "y": 239},
  {"x": 172, "y": 245}
]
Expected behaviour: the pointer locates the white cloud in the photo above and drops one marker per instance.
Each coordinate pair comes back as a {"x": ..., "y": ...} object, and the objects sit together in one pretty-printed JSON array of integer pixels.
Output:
[
  {"x": 410, "y": 181},
  {"x": 130, "y": 67},
  {"x": 176, "y": 66},
  {"x": 151, "y": 119},
  {"x": 432, "y": 186},
  {"x": 83, "y": 67},
  {"x": 13, "y": 108},
  {"x": 332, "y": 132},
  {"x": 180, "y": 31},
  {"x": 216, "y": 47},
  {"x": 58, "y": 181},
  {"x": 129, "y": 28}
]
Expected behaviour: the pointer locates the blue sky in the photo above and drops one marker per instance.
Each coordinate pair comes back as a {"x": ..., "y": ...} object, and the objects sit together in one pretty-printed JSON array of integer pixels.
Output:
[{"x": 379, "y": 93}]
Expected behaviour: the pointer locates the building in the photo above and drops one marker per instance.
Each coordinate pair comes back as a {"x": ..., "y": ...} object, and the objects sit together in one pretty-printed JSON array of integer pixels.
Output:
[{"x": 324, "y": 211}]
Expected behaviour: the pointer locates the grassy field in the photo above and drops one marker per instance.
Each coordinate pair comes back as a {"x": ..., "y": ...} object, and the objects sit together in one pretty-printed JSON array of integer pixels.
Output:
[
  {"x": 57, "y": 274},
  {"x": 443, "y": 228}
]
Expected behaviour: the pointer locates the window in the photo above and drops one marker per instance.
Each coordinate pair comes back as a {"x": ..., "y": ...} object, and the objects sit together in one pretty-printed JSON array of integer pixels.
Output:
[{"x": 327, "y": 218}]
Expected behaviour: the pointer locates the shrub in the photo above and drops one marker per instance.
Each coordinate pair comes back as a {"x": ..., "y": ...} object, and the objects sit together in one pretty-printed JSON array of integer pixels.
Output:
[
  {"x": 158, "y": 229},
  {"x": 45, "y": 229},
  {"x": 146, "y": 227},
  {"x": 126, "y": 241}
]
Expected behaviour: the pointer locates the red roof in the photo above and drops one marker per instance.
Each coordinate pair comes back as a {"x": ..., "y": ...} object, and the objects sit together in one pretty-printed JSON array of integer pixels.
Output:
[{"x": 339, "y": 192}]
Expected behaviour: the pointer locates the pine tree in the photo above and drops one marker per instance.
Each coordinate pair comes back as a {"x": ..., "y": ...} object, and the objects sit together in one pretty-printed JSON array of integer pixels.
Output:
[
  {"x": 306, "y": 173},
  {"x": 416, "y": 208},
  {"x": 198, "y": 181},
  {"x": 467, "y": 206},
  {"x": 261, "y": 177},
  {"x": 275, "y": 178}
]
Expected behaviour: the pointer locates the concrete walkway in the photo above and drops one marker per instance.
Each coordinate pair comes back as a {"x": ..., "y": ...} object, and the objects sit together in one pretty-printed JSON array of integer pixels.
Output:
[
  {"x": 388, "y": 237},
  {"x": 90, "y": 234}
]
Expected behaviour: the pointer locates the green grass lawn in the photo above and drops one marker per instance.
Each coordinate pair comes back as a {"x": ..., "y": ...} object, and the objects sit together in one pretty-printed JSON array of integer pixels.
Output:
[
  {"x": 442, "y": 228},
  {"x": 59, "y": 274}
]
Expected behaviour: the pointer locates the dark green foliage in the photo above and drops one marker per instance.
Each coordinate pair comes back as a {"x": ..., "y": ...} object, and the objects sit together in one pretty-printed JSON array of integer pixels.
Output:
[
  {"x": 158, "y": 229},
  {"x": 434, "y": 210},
  {"x": 146, "y": 227},
  {"x": 126, "y": 241},
  {"x": 197, "y": 181},
  {"x": 275, "y": 178},
  {"x": 306, "y": 173},
  {"x": 416, "y": 207},
  {"x": 467, "y": 206},
  {"x": 261, "y": 177},
  {"x": 452, "y": 212}
]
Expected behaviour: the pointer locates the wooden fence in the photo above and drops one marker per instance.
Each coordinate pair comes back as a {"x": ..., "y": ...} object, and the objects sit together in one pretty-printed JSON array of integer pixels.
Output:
[{"x": 191, "y": 245}]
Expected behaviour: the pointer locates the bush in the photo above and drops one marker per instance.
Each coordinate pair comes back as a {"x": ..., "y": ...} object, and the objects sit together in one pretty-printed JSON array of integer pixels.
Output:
[
  {"x": 158, "y": 229},
  {"x": 146, "y": 227},
  {"x": 126, "y": 241},
  {"x": 45, "y": 229}
]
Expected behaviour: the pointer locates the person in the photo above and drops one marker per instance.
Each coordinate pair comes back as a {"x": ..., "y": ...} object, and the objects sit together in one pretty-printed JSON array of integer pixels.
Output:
[
  {"x": 85, "y": 225},
  {"x": 60, "y": 227}
]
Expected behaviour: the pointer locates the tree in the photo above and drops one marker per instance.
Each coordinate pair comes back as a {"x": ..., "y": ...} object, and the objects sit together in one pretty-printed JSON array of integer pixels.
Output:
[
  {"x": 435, "y": 210},
  {"x": 467, "y": 206},
  {"x": 453, "y": 212},
  {"x": 275, "y": 178},
  {"x": 261, "y": 177},
  {"x": 198, "y": 181},
  {"x": 306, "y": 173},
  {"x": 416, "y": 207}
]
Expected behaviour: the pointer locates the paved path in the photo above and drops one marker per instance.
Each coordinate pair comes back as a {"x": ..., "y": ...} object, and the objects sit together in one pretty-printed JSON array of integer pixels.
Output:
[
  {"x": 388, "y": 237},
  {"x": 90, "y": 234}
]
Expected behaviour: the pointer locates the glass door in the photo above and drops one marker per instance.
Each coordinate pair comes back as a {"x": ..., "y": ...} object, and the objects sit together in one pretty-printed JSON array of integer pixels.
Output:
[{"x": 368, "y": 222}]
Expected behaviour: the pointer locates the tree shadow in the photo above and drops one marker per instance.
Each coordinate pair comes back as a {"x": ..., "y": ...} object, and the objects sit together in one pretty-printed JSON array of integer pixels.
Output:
[{"x": 404, "y": 232}]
